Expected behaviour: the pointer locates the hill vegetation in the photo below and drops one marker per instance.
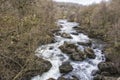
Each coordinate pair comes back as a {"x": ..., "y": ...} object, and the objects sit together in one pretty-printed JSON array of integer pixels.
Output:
[{"x": 24, "y": 25}]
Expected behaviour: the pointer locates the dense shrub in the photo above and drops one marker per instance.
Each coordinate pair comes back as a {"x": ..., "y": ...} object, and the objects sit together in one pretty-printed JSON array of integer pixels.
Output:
[{"x": 24, "y": 25}]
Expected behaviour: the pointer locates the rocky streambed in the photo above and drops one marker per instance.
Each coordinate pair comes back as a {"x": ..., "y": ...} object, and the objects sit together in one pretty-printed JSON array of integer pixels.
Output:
[{"x": 73, "y": 55}]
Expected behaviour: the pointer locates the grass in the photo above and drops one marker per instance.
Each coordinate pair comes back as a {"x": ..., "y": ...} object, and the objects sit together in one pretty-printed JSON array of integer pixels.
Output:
[{"x": 20, "y": 36}]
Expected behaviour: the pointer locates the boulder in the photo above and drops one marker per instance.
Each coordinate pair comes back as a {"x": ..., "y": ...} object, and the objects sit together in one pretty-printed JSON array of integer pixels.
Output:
[
  {"x": 74, "y": 78},
  {"x": 50, "y": 79},
  {"x": 72, "y": 51},
  {"x": 105, "y": 73},
  {"x": 75, "y": 33},
  {"x": 111, "y": 78},
  {"x": 89, "y": 43},
  {"x": 58, "y": 34},
  {"x": 65, "y": 35},
  {"x": 94, "y": 72},
  {"x": 78, "y": 56},
  {"x": 51, "y": 47},
  {"x": 107, "y": 68},
  {"x": 90, "y": 53},
  {"x": 99, "y": 77},
  {"x": 61, "y": 78},
  {"x": 76, "y": 27},
  {"x": 65, "y": 68},
  {"x": 68, "y": 48}
]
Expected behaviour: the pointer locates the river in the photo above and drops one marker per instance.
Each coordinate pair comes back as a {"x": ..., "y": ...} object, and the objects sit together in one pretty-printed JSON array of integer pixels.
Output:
[{"x": 81, "y": 69}]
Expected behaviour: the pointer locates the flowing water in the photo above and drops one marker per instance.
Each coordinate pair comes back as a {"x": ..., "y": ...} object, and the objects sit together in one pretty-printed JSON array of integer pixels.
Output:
[{"x": 82, "y": 69}]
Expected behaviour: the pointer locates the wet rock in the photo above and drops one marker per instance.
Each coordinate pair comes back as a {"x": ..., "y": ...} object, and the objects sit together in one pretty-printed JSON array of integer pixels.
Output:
[
  {"x": 89, "y": 43},
  {"x": 118, "y": 78},
  {"x": 74, "y": 78},
  {"x": 61, "y": 78},
  {"x": 61, "y": 22},
  {"x": 75, "y": 33},
  {"x": 72, "y": 51},
  {"x": 107, "y": 68},
  {"x": 60, "y": 25},
  {"x": 99, "y": 77},
  {"x": 65, "y": 35},
  {"x": 105, "y": 73},
  {"x": 51, "y": 47},
  {"x": 57, "y": 33},
  {"x": 76, "y": 27},
  {"x": 50, "y": 79},
  {"x": 94, "y": 72},
  {"x": 111, "y": 78},
  {"x": 78, "y": 56},
  {"x": 68, "y": 48},
  {"x": 90, "y": 53},
  {"x": 65, "y": 68}
]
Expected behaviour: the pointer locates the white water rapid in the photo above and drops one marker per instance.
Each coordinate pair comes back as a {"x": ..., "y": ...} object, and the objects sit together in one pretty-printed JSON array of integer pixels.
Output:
[{"x": 82, "y": 69}]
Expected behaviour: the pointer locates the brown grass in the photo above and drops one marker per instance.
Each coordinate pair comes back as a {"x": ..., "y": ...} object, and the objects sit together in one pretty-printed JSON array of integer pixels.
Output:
[{"x": 21, "y": 32}]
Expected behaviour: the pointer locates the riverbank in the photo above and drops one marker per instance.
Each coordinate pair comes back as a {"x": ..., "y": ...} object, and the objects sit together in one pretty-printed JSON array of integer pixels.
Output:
[
  {"x": 110, "y": 70},
  {"x": 17, "y": 46},
  {"x": 23, "y": 27}
]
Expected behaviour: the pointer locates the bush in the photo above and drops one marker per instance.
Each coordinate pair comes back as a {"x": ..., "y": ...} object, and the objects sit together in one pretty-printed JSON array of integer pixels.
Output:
[{"x": 23, "y": 27}]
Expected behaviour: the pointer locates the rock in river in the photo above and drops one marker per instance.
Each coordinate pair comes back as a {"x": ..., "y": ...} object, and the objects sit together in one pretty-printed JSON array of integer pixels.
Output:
[
  {"x": 89, "y": 43},
  {"x": 61, "y": 78},
  {"x": 65, "y": 68},
  {"x": 65, "y": 35},
  {"x": 99, "y": 77},
  {"x": 68, "y": 48},
  {"x": 78, "y": 56},
  {"x": 50, "y": 79},
  {"x": 90, "y": 53},
  {"x": 107, "y": 67}
]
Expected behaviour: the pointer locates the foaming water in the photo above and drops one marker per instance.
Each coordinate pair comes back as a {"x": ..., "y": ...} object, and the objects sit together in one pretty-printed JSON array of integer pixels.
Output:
[{"x": 82, "y": 69}]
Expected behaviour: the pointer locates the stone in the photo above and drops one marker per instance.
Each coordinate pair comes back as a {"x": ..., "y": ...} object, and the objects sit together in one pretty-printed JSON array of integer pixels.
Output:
[
  {"x": 76, "y": 27},
  {"x": 74, "y": 78},
  {"x": 58, "y": 34},
  {"x": 61, "y": 78},
  {"x": 89, "y": 43},
  {"x": 65, "y": 35},
  {"x": 78, "y": 56},
  {"x": 51, "y": 48},
  {"x": 65, "y": 68},
  {"x": 105, "y": 73},
  {"x": 75, "y": 33},
  {"x": 107, "y": 67},
  {"x": 90, "y": 53},
  {"x": 68, "y": 48},
  {"x": 99, "y": 77},
  {"x": 50, "y": 79}
]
